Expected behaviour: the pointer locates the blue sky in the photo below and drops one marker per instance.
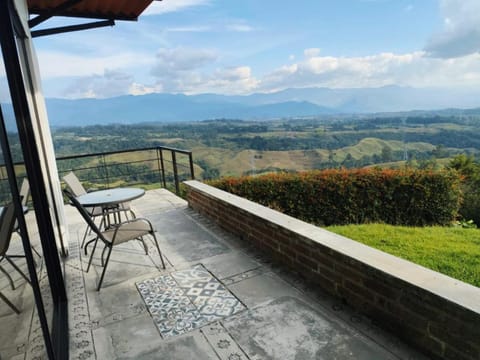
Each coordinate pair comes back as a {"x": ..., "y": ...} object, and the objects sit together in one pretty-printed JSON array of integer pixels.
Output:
[{"x": 241, "y": 47}]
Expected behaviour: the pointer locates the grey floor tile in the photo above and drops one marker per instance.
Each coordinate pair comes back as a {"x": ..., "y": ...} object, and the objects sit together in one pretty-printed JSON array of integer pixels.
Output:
[
  {"x": 259, "y": 289},
  {"x": 288, "y": 329},
  {"x": 183, "y": 240},
  {"x": 191, "y": 346},
  {"x": 229, "y": 264},
  {"x": 127, "y": 339}
]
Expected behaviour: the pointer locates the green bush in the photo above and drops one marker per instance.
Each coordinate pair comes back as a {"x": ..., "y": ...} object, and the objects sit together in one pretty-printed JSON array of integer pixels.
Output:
[
  {"x": 470, "y": 186},
  {"x": 398, "y": 197}
]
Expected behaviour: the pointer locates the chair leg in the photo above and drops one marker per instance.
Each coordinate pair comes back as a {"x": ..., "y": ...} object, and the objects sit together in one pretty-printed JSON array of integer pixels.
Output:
[
  {"x": 8, "y": 302},
  {"x": 84, "y": 236},
  {"x": 33, "y": 248},
  {"x": 102, "y": 222},
  {"x": 8, "y": 276},
  {"x": 103, "y": 255},
  {"x": 133, "y": 214},
  {"x": 110, "y": 247},
  {"x": 91, "y": 255},
  {"x": 158, "y": 248},
  {"x": 36, "y": 252},
  {"x": 18, "y": 269},
  {"x": 88, "y": 230},
  {"x": 145, "y": 247}
]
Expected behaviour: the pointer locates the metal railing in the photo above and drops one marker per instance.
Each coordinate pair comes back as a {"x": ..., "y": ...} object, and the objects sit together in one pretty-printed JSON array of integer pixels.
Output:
[{"x": 159, "y": 166}]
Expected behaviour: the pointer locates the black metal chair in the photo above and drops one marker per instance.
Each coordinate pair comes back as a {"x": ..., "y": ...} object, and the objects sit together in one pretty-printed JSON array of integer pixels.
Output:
[
  {"x": 9, "y": 303},
  {"x": 75, "y": 187},
  {"x": 7, "y": 222},
  {"x": 25, "y": 195},
  {"x": 118, "y": 234}
]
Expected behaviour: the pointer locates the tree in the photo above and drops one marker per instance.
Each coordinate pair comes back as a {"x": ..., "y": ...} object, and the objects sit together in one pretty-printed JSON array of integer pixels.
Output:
[
  {"x": 439, "y": 152},
  {"x": 387, "y": 154}
]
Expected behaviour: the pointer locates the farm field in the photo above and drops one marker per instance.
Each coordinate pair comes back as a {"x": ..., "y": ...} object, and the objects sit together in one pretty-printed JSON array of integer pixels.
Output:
[{"x": 234, "y": 147}]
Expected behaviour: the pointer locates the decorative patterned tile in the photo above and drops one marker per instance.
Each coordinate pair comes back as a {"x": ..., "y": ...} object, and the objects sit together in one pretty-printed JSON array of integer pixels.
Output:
[
  {"x": 225, "y": 347},
  {"x": 187, "y": 299}
]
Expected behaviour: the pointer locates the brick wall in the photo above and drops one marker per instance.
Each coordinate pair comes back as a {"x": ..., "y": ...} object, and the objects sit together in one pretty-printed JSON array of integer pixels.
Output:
[{"x": 435, "y": 313}]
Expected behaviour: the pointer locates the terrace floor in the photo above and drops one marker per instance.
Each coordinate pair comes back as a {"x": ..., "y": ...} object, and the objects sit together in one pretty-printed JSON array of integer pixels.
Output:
[{"x": 217, "y": 299}]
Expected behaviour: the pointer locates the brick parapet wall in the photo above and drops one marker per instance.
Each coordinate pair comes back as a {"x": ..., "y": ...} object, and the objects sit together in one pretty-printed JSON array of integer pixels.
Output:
[{"x": 437, "y": 314}]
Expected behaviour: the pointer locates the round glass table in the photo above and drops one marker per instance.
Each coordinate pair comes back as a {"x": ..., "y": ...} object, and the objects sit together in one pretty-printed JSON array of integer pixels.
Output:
[{"x": 106, "y": 198}]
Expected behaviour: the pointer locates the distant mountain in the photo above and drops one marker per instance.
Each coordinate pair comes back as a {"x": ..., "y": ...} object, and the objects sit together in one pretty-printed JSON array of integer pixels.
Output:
[
  {"x": 169, "y": 108},
  {"x": 283, "y": 104}
]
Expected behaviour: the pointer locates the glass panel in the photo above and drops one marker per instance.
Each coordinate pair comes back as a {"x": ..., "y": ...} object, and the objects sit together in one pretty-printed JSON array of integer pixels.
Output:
[
  {"x": 23, "y": 334},
  {"x": 26, "y": 306}
]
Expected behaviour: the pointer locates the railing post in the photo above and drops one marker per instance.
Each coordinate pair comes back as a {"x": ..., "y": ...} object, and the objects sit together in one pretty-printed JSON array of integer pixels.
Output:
[
  {"x": 163, "y": 169},
  {"x": 175, "y": 172},
  {"x": 158, "y": 165},
  {"x": 106, "y": 171},
  {"x": 190, "y": 158}
]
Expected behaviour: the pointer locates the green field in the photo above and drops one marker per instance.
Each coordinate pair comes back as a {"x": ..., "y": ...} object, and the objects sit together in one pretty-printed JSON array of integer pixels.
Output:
[
  {"x": 453, "y": 251},
  {"x": 234, "y": 147}
]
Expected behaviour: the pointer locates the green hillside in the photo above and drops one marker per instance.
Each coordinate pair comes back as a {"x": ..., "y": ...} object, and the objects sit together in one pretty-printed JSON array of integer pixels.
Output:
[{"x": 233, "y": 147}]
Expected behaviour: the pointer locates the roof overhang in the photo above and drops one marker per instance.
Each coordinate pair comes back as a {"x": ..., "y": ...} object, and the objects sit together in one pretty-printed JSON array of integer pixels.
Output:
[
  {"x": 92, "y": 9},
  {"x": 106, "y": 10}
]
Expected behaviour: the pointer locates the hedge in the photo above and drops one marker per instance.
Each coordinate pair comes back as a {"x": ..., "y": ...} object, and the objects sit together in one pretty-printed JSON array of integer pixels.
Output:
[{"x": 340, "y": 196}]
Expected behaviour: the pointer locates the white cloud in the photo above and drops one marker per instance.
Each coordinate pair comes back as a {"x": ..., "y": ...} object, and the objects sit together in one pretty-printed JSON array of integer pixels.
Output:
[
  {"x": 167, "y": 6},
  {"x": 141, "y": 89},
  {"x": 189, "y": 29},
  {"x": 234, "y": 80},
  {"x": 413, "y": 69},
  {"x": 239, "y": 28},
  {"x": 58, "y": 64},
  {"x": 312, "y": 52},
  {"x": 194, "y": 71},
  {"x": 109, "y": 84},
  {"x": 461, "y": 33},
  {"x": 181, "y": 59}
]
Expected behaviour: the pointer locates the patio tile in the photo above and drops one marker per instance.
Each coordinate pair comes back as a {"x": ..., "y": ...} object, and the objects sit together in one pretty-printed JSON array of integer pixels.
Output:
[
  {"x": 126, "y": 262},
  {"x": 184, "y": 240},
  {"x": 227, "y": 265},
  {"x": 224, "y": 345},
  {"x": 265, "y": 287},
  {"x": 287, "y": 328},
  {"x": 126, "y": 339},
  {"x": 189, "y": 346},
  {"x": 186, "y": 300}
]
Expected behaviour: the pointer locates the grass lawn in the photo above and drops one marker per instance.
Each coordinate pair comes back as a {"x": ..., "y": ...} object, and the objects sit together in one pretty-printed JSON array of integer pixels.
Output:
[{"x": 453, "y": 251}]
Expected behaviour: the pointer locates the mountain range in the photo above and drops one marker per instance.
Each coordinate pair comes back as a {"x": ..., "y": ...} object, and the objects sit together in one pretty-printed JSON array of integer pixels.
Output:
[{"x": 304, "y": 102}]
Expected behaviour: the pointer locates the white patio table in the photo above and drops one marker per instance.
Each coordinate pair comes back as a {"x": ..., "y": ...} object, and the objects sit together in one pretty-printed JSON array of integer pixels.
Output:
[{"x": 109, "y": 200}]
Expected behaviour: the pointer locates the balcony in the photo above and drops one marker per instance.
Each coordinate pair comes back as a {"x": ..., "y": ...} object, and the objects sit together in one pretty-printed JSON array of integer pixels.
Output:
[{"x": 260, "y": 309}]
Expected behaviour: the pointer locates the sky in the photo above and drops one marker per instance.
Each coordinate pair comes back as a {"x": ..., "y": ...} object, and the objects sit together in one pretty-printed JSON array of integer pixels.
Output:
[{"x": 248, "y": 46}]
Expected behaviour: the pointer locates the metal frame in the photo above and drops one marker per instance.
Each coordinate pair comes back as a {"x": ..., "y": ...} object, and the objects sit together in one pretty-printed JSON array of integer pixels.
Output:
[
  {"x": 64, "y": 29},
  {"x": 160, "y": 161},
  {"x": 57, "y": 341}
]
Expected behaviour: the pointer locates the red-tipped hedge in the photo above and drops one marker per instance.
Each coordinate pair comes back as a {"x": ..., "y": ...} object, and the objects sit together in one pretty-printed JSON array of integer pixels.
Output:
[{"x": 398, "y": 197}]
